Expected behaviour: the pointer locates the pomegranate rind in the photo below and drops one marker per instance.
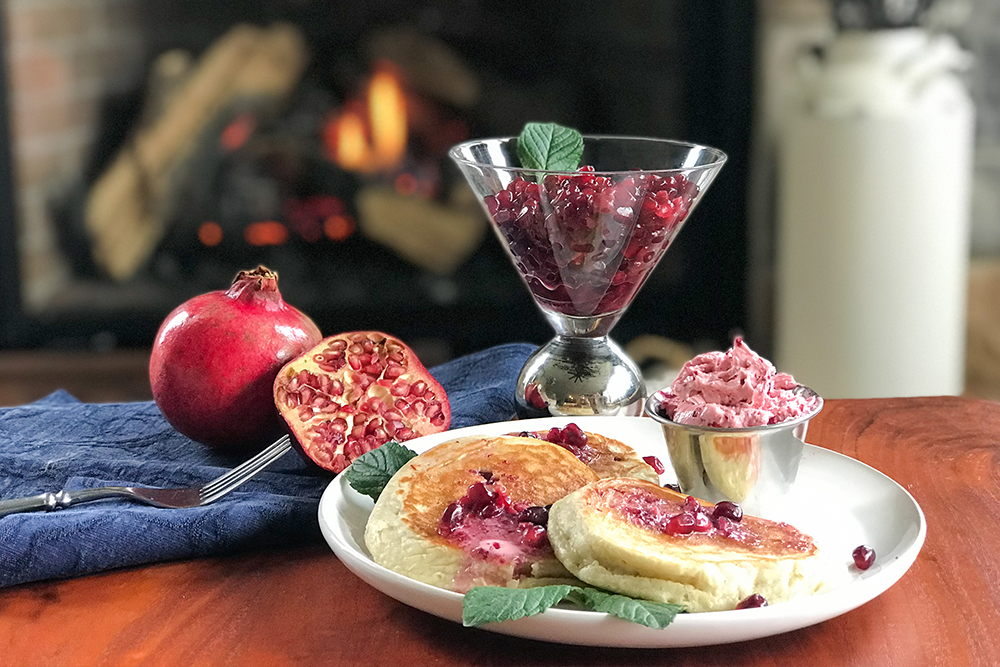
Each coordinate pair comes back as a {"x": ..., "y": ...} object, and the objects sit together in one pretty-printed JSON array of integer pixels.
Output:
[
  {"x": 354, "y": 392},
  {"x": 215, "y": 358}
]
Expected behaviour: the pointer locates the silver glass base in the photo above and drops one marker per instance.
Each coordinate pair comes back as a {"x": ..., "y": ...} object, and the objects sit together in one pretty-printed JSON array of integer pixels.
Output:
[{"x": 579, "y": 376}]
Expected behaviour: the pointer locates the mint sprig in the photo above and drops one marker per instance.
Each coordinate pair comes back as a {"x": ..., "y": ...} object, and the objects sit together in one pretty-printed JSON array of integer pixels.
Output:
[
  {"x": 369, "y": 473},
  {"x": 550, "y": 147},
  {"x": 493, "y": 604}
]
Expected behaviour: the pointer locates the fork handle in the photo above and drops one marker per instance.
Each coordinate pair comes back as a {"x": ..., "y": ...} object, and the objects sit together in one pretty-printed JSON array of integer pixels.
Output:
[{"x": 58, "y": 500}]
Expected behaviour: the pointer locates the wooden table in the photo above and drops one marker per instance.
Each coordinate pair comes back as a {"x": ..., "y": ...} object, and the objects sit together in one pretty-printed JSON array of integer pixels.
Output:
[{"x": 302, "y": 607}]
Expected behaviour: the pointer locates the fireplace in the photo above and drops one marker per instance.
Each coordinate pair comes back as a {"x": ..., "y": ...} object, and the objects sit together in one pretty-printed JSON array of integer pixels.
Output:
[{"x": 157, "y": 148}]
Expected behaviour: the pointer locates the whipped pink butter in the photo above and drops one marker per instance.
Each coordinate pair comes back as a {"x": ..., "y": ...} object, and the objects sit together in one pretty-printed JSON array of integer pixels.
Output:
[{"x": 733, "y": 389}]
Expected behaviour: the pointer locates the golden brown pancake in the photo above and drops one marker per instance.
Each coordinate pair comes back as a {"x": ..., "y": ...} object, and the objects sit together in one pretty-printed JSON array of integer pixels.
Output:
[
  {"x": 404, "y": 532},
  {"x": 608, "y": 457},
  {"x": 616, "y": 534}
]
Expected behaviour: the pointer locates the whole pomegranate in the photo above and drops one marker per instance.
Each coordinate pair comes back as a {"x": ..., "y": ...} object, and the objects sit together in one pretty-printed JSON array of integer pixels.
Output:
[
  {"x": 216, "y": 356},
  {"x": 354, "y": 392}
]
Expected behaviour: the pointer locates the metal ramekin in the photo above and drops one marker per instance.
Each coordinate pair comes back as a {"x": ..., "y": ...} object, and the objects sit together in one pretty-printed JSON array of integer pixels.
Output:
[{"x": 755, "y": 467}]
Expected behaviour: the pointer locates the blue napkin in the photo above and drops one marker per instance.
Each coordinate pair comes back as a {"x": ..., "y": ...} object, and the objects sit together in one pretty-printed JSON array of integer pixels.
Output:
[{"x": 60, "y": 443}]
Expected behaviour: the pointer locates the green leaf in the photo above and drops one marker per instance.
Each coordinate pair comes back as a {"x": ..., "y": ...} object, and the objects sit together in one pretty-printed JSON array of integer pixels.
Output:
[
  {"x": 656, "y": 615},
  {"x": 550, "y": 147},
  {"x": 492, "y": 604},
  {"x": 369, "y": 473}
]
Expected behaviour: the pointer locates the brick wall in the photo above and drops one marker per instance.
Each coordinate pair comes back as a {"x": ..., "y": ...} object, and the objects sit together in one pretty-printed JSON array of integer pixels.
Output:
[{"x": 64, "y": 58}]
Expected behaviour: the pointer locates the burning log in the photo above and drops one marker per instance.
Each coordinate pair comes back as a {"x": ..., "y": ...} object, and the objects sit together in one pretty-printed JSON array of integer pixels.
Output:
[
  {"x": 127, "y": 208},
  {"x": 434, "y": 236}
]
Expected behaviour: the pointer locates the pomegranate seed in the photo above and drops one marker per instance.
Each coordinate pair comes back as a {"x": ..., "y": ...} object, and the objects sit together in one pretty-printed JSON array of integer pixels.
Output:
[
  {"x": 535, "y": 514},
  {"x": 573, "y": 435},
  {"x": 692, "y": 505},
  {"x": 729, "y": 510},
  {"x": 479, "y": 496},
  {"x": 655, "y": 464},
  {"x": 702, "y": 524},
  {"x": 752, "y": 601},
  {"x": 864, "y": 557},
  {"x": 680, "y": 524},
  {"x": 393, "y": 371},
  {"x": 534, "y": 536},
  {"x": 418, "y": 388},
  {"x": 726, "y": 526}
]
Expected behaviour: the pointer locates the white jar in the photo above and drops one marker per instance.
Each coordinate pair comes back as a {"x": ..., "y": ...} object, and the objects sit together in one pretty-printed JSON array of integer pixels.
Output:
[{"x": 872, "y": 251}]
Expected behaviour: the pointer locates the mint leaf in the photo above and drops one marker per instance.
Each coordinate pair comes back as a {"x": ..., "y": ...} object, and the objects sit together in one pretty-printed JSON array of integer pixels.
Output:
[
  {"x": 550, "y": 147},
  {"x": 369, "y": 473},
  {"x": 492, "y": 604},
  {"x": 656, "y": 615}
]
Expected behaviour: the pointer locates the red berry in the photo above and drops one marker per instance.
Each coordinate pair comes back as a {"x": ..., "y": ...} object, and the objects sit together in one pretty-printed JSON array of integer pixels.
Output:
[
  {"x": 752, "y": 601},
  {"x": 864, "y": 557},
  {"x": 728, "y": 509},
  {"x": 655, "y": 463}
]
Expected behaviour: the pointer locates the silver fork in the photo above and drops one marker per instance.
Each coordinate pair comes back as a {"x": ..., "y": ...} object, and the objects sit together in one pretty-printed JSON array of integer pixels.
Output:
[{"x": 192, "y": 496}]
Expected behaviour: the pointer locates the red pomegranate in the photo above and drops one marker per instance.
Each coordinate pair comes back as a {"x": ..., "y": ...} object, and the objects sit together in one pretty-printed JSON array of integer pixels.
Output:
[
  {"x": 215, "y": 359},
  {"x": 354, "y": 392}
]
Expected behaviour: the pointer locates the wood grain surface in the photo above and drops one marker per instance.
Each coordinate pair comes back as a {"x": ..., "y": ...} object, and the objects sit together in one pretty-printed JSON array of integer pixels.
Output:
[{"x": 302, "y": 607}]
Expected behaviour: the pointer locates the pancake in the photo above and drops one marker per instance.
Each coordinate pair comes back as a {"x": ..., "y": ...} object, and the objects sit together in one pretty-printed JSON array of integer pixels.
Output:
[
  {"x": 615, "y": 534},
  {"x": 606, "y": 456},
  {"x": 482, "y": 542}
]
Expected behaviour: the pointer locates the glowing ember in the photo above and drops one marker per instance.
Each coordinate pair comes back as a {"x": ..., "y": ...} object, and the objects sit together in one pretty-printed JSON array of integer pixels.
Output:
[
  {"x": 210, "y": 233},
  {"x": 265, "y": 233}
]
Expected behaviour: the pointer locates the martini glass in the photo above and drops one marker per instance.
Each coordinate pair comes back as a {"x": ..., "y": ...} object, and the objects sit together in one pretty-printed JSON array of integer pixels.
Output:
[{"x": 584, "y": 242}]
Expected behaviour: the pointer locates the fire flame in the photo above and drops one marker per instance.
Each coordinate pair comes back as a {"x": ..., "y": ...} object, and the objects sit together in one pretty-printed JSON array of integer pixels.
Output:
[{"x": 370, "y": 136}]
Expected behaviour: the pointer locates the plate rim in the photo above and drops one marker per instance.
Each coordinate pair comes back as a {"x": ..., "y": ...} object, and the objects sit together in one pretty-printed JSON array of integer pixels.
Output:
[{"x": 552, "y": 624}]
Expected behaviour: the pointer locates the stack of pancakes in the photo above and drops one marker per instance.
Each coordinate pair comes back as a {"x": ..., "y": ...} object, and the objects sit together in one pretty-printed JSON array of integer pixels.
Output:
[{"x": 588, "y": 539}]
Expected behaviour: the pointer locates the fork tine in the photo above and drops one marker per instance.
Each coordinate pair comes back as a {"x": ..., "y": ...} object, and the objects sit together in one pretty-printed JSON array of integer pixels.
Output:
[
  {"x": 251, "y": 466},
  {"x": 230, "y": 480}
]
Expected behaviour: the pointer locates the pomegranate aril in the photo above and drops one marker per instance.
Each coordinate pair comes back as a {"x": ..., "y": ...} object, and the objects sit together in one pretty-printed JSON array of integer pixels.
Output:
[
  {"x": 680, "y": 524},
  {"x": 534, "y": 536},
  {"x": 725, "y": 526},
  {"x": 864, "y": 557},
  {"x": 655, "y": 464},
  {"x": 729, "y": 510},
  {"x": 752, "y": 602},
  {"x": 573, "y": 435},
  {"x": 535, "y": 514},
  {"x": 702, "y": 524},
  {"x": 479, "y": 496}
]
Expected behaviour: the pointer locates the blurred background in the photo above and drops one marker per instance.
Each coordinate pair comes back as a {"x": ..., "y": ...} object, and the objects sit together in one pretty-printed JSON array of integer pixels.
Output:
[{"x": 155, "y": 149}]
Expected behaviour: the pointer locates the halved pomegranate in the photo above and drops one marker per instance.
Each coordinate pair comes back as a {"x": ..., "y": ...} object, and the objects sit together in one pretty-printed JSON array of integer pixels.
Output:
[{"x": 354, "y": 392}]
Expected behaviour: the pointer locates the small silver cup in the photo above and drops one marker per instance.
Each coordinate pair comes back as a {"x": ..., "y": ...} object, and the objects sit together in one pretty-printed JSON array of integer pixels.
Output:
[{"x": 754, "y": 466}]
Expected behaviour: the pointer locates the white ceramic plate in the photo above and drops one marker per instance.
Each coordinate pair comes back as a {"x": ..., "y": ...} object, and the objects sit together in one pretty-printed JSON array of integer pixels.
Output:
[{"x": 839, "y": 501}]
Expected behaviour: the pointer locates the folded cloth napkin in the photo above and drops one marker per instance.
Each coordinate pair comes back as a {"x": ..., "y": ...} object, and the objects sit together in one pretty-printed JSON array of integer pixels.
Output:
[{"x": 60, "y": 443}]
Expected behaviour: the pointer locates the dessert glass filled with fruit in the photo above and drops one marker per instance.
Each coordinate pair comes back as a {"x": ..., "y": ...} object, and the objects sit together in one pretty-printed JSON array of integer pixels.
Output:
[{"x": 585, "y": 219}]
